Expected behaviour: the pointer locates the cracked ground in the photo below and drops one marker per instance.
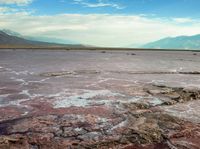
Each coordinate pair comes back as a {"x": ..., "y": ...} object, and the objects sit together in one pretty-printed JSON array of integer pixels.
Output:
[{"x": 94, "y": 99}]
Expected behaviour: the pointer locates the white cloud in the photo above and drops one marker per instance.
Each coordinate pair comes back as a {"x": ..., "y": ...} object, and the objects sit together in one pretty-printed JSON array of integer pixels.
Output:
[
  {"x": 100, "y": 3},
  {"x": 17, "y": 2},
  {"x": 6, "y": 10},
  {"x": 183, "y": 20},
  {"x": 14, "y": 11},
  {"x": 98, "y": 29}
]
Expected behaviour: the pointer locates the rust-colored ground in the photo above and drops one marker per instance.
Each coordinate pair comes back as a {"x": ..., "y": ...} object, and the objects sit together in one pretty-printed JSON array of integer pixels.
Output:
[{"x": 95, "y": 99}]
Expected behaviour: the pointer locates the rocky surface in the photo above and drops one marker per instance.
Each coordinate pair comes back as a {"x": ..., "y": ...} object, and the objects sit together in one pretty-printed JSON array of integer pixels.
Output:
[{"x": 65, "y": 100}]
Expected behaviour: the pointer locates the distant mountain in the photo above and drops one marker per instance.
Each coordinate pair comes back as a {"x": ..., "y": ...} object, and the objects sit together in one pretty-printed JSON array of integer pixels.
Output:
[
  {"x": 11, "y": 33},
  {"x": 39, "y": 38},
  {"x": 180, "y": 42},
  {"x": 6, "y": 39},
  {"x": 9, "y": 38},
  {"x": 50, "y": 39}
]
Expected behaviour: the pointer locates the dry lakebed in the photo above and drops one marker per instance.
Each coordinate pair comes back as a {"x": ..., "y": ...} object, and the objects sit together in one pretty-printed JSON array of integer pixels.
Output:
[{"x": 56, "y": 99}]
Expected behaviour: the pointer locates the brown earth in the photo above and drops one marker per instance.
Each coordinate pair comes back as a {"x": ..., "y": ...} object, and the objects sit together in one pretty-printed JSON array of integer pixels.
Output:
[{"x": 144, "y": 127}]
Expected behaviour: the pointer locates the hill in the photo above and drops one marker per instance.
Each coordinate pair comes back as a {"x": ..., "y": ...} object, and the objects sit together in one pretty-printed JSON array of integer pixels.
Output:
[
  {"x": 180, "y": 42},
  {"x": 12, "y": 39}
]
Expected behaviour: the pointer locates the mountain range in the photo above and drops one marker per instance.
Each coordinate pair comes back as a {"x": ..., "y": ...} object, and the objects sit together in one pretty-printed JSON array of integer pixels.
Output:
[
  {"x": 10, "y": 38},
  {"x": 180, "y": 42}
]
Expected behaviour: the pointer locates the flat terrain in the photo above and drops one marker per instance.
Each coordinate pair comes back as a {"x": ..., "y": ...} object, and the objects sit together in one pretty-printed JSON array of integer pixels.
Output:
[{"x": 99, "y": 99}]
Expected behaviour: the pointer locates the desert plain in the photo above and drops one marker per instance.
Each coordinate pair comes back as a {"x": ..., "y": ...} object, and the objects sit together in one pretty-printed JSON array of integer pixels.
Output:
[{"x": 55, "y": 99}]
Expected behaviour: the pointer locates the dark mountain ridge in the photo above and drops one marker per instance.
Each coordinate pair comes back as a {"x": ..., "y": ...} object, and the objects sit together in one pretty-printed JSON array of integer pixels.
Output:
[{"x": 9, "y": 38}]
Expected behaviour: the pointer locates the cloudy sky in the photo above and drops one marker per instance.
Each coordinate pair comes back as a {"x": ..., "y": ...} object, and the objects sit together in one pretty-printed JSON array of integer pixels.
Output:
[{"x": 116, "y": 23}]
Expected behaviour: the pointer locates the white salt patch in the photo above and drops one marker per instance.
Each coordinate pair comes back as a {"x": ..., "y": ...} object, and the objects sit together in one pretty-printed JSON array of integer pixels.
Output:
[
  {"x": 20, "y": 80},
  {"x": 113, "y": 102},
  {"x": 19, "y": 72},
  {"x": 102, "y": 120},
  {"x": 23, "y": 82},
  {"x": 156, "y": 82},
  {"x": 62, "y": 94},
  {"x": 181, "y": 68},
  {"x": 17, "y": 102},
  {"x": 1, "y": 99},
  {"x": 26, "y": 92},
  {"x": 39, "y": 81},
  {"x": 81, "y": 118},
  {"x": 82, "y": 100},
  {"x": 134, "y": 99},
  {"x": 121, "y": 124},
  {"x": 155, "y": 102},
  {"x": 14, "y": 103},
  {"x": 4, "y": 95},
  {"x": 70, "y": 102},
  {"x": 174, "y": 70},
  {"x": 78, "y": 129},
  {"x": 25, "y": 113}
]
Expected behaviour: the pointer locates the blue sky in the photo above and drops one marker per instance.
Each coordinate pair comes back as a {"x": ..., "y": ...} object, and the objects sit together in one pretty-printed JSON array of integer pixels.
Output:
[
  {"x": 162, "y": 8},
  {"x": 102, "y": 22}
]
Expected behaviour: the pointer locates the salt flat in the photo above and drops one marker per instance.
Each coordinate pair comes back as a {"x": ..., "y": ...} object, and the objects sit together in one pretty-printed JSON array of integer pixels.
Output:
[{"x": 100, "y": 98}]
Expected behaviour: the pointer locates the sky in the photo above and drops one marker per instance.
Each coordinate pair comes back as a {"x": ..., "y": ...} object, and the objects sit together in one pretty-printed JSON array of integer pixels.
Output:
[{"x": 110, "y": 23}]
